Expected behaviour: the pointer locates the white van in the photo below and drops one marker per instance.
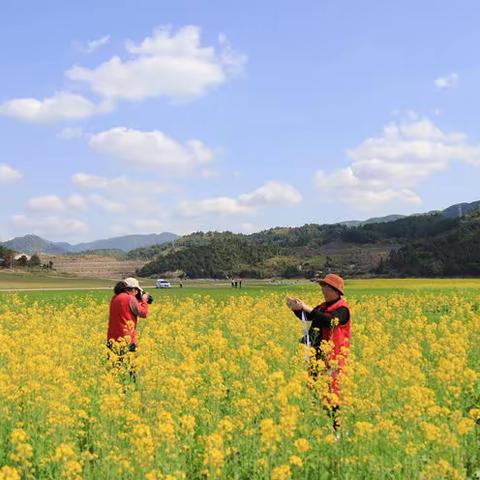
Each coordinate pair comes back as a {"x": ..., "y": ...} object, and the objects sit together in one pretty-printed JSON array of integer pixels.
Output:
[{"x": 162, "y": 283}]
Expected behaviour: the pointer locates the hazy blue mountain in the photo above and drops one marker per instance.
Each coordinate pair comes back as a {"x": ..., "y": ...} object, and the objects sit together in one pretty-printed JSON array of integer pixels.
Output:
[
  {"x": 453, "y": 211},
  {"x": 460, "y": 209},
  {"x": 125, "y": 243},
  {"x": 359, "y": 223},
  {"x": 33, "y": 243}
]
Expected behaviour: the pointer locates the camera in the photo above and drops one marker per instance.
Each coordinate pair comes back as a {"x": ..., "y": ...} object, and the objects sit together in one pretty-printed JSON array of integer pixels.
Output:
[{"x": 139, "y": 294}]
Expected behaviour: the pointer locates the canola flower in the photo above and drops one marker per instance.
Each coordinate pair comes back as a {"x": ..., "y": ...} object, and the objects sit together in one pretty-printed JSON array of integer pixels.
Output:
[{"x": 222, "y": 391}]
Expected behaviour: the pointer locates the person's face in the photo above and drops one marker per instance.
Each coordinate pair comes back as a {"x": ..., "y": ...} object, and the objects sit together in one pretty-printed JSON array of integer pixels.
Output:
[
  {"x": 329, "y": 293},
  {"x": 132, "y": 291}
]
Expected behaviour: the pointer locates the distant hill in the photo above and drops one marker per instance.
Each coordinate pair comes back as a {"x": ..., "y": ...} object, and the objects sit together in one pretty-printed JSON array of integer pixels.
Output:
[
  {"x": 454, "y": 252},
  {"x": 32, "y": 244},
  {"x": 454, "y": 211},
  {"x": 314, "y": 249},
  {"x": 359, "y": 223},
  {"x": 125, "y": 243},
  {"x": 460, "y": 209}
]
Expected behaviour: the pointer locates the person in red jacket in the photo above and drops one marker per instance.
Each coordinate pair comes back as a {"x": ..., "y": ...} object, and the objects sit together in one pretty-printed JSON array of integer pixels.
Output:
[
  {"x": 128, "y": 303},
  {"x": 330, "y": 331}
]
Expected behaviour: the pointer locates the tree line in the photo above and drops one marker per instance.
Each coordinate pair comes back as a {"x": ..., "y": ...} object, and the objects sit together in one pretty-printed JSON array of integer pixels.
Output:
[{"x": 425, "y": 245}]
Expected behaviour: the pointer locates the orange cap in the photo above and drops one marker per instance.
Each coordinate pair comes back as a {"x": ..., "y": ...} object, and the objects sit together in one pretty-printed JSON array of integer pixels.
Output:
[{"x": 334, "y": 281}]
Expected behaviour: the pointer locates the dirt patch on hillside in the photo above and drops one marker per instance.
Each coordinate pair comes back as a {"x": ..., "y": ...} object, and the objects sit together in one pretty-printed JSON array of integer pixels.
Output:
[
  {"x": 357, "y": 259},
  {"x": 93, "y": 265}
]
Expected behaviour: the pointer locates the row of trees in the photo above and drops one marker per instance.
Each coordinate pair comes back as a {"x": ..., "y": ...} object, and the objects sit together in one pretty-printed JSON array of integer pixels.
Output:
[
  {"x": 7, "y": 260},
  {"x": 32, "y": 262},
  {"x": 6, "y": 256}
]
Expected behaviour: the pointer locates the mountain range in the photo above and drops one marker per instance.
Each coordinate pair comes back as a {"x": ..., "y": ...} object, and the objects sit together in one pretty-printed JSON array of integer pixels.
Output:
[{"x": 34, "y": 244}]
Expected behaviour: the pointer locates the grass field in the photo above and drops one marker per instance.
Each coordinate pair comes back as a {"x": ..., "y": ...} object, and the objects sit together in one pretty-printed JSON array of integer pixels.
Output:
[
  {"x": 65, "y": 288},
  {"x": 223, "y": 391}
]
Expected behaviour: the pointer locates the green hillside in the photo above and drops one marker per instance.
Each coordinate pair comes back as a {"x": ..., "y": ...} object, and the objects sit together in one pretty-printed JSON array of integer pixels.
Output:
[
  {"x": 455, "y": 252},
  {"x": 381, "y": 248}
]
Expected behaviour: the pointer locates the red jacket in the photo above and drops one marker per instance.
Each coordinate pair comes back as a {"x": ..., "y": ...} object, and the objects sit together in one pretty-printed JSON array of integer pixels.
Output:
[{"x": 124, "y": 312}]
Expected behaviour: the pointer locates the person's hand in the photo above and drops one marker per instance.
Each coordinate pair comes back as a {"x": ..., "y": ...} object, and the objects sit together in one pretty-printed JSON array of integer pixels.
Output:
[
  {"x": 302, "y": 305},
  {"x": 294, "y": 303}
]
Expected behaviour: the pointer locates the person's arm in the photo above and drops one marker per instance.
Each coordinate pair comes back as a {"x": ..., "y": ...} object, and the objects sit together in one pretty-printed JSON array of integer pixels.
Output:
[
  {"x": 298, "y": 313},
  {"x": 297, "y": 306},
  {"x": 139, "y": 308},
  {"x": 321, "y": 319}
]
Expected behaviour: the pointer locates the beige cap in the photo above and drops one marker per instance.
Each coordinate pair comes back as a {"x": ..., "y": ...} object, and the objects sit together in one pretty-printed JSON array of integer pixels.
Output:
[{"x": 132, "y": 283}]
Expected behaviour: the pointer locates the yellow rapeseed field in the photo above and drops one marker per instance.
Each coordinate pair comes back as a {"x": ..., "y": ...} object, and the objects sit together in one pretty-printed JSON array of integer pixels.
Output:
[{"x": 223, "y": 392}]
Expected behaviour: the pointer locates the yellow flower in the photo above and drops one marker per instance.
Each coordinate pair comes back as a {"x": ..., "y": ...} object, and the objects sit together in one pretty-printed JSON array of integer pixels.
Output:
[
  {"x": 283, "y": 472},
  {"x": 302, "y": 445},
  {"x": 22, "y": 450},
  {"x": 187, "y": 424},
  {"x": 214, "y": 456},
  {"x": 330, "y": 438},
  {"x": 465, "y": 425},
  {"x": 269, "y": 434},
  {"x": 296, "y": 461},
  {"x": 9, "y": 473}
]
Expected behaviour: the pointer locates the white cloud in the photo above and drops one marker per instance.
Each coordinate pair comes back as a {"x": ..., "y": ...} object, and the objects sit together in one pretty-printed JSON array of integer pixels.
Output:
[
  {"x": 61, "y": 106},
  {"x": 151, "y": 149},
  {"x": 93, "y": 45},
  {"x": 141, "y": 196},
  {"x": 272, "y": 193},
  {"x": 106, "y": 204},
  {"x": 50, "y": 225},
  {"x": 171, "y": 64},
  {"x": 448, "y": 81},
  {"x": 232, "y": 60},
  {"x": 388, "y": 168},
  {"x": 47, "y": 203},
  {"x": 53, "y": 203},
  {"x": 87, "y": 180},
  {"x": 217, "y": 205},
  {"x": 76, "y": 202},
  {"x": 9, "y": 174}
]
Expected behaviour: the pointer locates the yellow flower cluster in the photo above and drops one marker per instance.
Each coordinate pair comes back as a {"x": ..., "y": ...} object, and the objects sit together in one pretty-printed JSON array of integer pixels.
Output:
[{"x": 219, "y": 388}]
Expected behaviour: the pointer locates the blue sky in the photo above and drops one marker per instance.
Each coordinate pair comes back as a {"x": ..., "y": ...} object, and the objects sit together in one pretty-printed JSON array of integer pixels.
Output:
[{"x": 149, "y": 116}]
